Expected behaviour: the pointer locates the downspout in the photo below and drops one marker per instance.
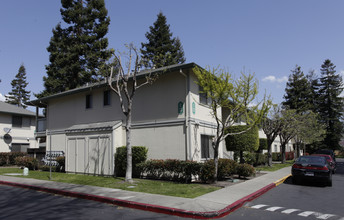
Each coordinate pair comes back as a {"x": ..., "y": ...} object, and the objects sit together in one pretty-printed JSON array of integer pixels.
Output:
[{"x": 187, "y": 116}]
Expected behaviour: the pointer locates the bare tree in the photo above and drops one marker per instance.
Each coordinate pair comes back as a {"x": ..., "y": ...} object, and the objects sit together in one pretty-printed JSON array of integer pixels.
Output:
[{"x": 124, "y": 83}]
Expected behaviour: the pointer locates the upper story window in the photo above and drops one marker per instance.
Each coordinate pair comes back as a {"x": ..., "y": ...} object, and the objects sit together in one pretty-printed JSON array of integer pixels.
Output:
[
  {"x": 107, "y": 98},
  {"x": 88, "y": 101},
  {"x": 17, "y": 121},
  {"x": 203, "y": 98}
]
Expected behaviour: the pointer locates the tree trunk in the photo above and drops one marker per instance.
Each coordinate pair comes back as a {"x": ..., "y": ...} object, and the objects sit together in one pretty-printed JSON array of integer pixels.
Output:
[
  {"x": 283, "y": 153},
  {"x": 128, "y": 173},
  {"x": 269, "y": 154},
  {"x": 242, "y": 157}
]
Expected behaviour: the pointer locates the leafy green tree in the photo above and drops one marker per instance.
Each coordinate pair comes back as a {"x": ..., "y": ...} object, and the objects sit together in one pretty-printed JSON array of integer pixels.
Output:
[
  {"x": 248, "y": 141},
  {"x": 298, "y": 91},
  {"x": 236, "y": 96},
  {"x": 78, "y": 49},
  {"x": 19, "y": 95},
  {"x": 289, "y": 124},
  {"x": 332, "y": 106},
  {"x": 161, "y": 49},
  {"x": 309, "y": 130}
]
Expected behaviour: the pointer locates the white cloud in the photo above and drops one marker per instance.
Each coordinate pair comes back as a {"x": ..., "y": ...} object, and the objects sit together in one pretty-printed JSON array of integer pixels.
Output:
[
  {"x": 2, "y": 97},
  {"x": 275, "y": 79}
]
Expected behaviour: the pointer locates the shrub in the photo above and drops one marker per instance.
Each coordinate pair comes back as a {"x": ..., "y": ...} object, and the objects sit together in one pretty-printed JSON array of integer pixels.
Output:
[
  {"x": 276, "y": 156},
  {"x": 245, "y": 170},
  {"x": 226, "y": 168},
  {"x": 176, "y": 170},
  {"x": 61, "y": 161},
  {"x": 139, "y": 155},
  {"x": 263, "y": 144},
  {"x": 261, "y": 159},
  {"x": 250, "y": 157},
  {"x": 8, "y": 158},
  {"x": 207, "y": 171},
  {"x": 28, "y": 162},
  {"x": 47, "y": 168}
]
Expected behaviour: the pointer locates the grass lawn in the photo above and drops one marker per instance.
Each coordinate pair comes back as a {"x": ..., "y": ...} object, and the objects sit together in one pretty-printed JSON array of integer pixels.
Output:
[
  {"x": 141, "y": 185},
  {"x": 275, "y": 166}
]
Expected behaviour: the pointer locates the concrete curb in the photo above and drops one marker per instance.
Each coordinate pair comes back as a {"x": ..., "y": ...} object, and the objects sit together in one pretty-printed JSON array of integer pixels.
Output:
[{"x": 154, "y": 208}]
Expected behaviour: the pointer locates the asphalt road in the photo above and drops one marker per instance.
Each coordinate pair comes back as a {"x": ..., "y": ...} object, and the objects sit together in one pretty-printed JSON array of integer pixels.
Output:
[
  {"x": 307, "y": 201},
  {"x": 17, "y": 203}
]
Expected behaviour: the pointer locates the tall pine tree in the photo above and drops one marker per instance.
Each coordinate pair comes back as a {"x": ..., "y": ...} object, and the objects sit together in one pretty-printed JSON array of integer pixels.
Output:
[
  {"x": 298, "y": 91},
  {"x": 19, "y": 95},
  {"x": 78, "y": 51},
  {"x": 331, "y": 108},
  {"x": 161, "y": 49}
]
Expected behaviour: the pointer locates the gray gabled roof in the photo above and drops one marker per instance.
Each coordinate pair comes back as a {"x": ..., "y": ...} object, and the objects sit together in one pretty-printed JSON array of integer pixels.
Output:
[
  {"x": 42, "y": 102},
  {"x": 15, "y": 110}
]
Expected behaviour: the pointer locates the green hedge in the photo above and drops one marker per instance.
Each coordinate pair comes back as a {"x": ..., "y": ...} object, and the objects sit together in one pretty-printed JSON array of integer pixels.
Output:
[
  {"x": 8, "y": 158},
  {"x": 27, "y": 161},
  {"x": 183, "y": 171},
  {"x": 255, "y": 159},
  {"x": 139, "y": 155},
  {"x": 248, "y": 141}
]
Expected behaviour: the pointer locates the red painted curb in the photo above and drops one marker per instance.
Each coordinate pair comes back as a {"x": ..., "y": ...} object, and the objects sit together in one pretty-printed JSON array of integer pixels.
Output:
[{"x": 150, "y": 207}]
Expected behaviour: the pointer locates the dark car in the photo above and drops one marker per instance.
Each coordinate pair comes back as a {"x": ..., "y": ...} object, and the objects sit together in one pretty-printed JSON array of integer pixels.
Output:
[
  {"x": 312, "y": 168},
  {"x": 330, "y": 160},
  {"x": 328, "y": 152}
]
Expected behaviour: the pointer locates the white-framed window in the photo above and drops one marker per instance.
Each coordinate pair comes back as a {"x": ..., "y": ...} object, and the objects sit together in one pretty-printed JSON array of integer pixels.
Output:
[
  {"x": 207, "y": 150},
  {"x": 275, "y": 146}
]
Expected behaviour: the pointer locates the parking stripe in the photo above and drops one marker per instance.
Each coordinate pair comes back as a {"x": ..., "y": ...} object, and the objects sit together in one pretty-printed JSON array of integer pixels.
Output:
[
  {"x": 307, "y": 213},
  {"x": 272, "y": 209},
  {"x": 258, "y": 206},
  {"x": 325, "y": 216},
  {"x": 298, "y": 212},
  {"x": 288, "y": 211}
]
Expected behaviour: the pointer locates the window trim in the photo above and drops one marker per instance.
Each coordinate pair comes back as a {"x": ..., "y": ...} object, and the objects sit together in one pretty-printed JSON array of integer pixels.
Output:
[{"x": 16, "y": 125}]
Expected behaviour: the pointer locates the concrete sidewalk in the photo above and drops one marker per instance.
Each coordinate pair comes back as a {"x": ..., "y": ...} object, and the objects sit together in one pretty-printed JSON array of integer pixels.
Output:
[{"x": 212, "y": 205}]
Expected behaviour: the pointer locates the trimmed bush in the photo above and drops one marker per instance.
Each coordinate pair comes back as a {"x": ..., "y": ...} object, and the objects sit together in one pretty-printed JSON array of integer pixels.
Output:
[
  {"x": 207, "y": 171},
  {"x": 28, "y": 162},
  {"x": 8, "y": 158},
  {"x": 276, "y": 156},
  {"x": 245, "y": 170},
  {"x": 226, "y": 168},
  {"x": 139, "y": 155},
  {"x": 263, "y": 144},
  {"x": 250, "y": 158},
  {"x": 175, "y": 170},
  {"x": 61, "y": 161},
  {"x": 261, "y": 159}
]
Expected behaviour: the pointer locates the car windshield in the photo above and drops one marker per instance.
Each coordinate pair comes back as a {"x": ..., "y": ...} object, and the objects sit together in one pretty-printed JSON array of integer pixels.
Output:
[{"x": 312, "y": 160}]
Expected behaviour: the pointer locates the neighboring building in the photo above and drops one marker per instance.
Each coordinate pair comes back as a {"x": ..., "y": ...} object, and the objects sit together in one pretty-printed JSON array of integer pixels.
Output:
[
  {"x": 17, "y": 127},
  {"x": 170, "y": 117}
]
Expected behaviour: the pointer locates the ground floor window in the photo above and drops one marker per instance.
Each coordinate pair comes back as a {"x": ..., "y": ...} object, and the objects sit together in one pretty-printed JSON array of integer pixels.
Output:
[
  {"x": 19, "y": 147},
  {"x": 207, "y": 151}
]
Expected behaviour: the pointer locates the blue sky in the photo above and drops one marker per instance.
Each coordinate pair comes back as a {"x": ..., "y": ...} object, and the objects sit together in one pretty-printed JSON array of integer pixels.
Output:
[{"x": 265, "y": 37}]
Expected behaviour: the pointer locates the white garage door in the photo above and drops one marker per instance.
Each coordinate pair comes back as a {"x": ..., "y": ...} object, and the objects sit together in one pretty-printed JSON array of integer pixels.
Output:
[{"x": 91, "y": 155}]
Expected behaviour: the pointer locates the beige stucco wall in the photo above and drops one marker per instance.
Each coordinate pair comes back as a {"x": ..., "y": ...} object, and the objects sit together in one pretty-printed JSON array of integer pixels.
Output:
[
  {"x": 165, "y": 142},
  {"x": 24, "y": 135}
]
